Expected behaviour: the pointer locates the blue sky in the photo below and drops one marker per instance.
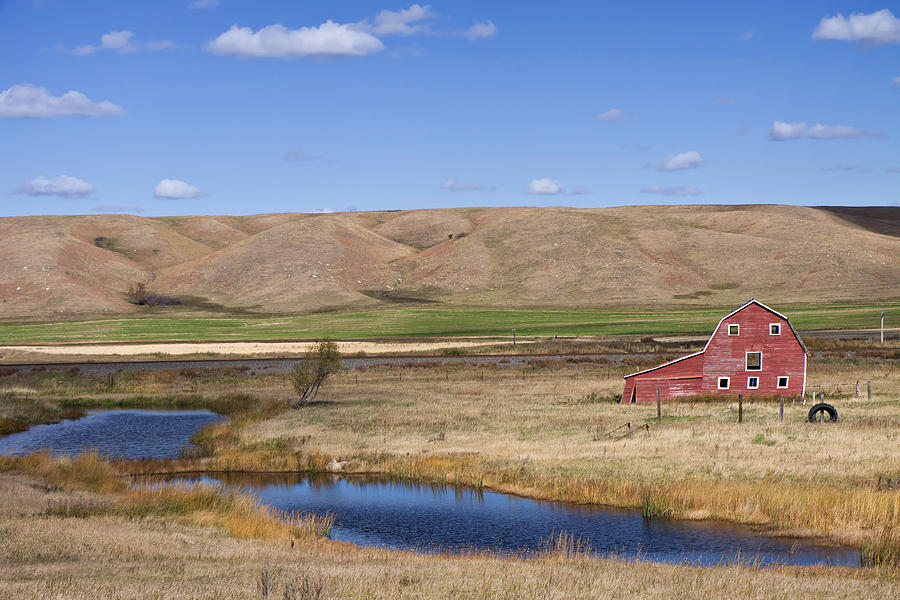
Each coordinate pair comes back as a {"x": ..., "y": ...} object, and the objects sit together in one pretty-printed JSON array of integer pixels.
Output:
[{"x": 234, "y": 107}]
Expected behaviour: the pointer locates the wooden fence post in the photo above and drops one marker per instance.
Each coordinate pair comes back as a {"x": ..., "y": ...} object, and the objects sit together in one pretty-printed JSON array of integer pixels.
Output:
[
  {"x": 781, "y": 410},
  {"x": 658, "y": 409},
  {"x": 857, "y": 388},
  {"x": 740, "y": 408},
  {"x": 869, "y": 389}
]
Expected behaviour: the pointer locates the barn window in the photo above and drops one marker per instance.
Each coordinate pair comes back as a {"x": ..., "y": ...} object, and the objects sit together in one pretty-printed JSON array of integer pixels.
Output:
[
  {"x": 774, "y": 328},
  {"x": 734, "y": 329},
  {"x": 723, "y": 383},
  {"x": 752, "y": 383},
  {"x": 754, "y": 361},
  {"x": 782, "y": 382}
]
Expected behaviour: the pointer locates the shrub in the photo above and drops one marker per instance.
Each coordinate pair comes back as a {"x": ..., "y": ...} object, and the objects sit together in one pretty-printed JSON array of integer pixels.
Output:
[{"x": 318, "y": 365}]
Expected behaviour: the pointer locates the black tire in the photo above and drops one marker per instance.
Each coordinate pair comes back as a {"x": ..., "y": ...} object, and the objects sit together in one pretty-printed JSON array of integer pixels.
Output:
[{"x": 826, "y": 409}]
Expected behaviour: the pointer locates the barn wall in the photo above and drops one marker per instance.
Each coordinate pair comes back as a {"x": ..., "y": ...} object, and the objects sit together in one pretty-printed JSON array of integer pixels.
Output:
[
  {"x": 626, "y": 393},
  {"x": 725, "y": 356},
  {"x": 682, "y": 378}
]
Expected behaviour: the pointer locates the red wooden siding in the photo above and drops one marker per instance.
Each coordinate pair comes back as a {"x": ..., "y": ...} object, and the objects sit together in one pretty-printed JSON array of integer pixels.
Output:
[
  {"x": 680, "y": 378},
  {"x": 783, "y": 355}
]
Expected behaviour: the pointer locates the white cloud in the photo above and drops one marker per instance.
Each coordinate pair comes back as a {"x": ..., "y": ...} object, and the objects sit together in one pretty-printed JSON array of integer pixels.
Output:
[
  {"x": 672, "y": 191},
  {"x": 403, "y": 22},
  {"x": 21, "y": 101},
  {"x": 782, "y": 132},
  {"x": 197, "y": 4},
  {"x": 480, "y": 31},
  {"x": 613, "y": 114},
  {"x": 323, "y": 211},
  {"x": 121, "y": 41},
  {"x": 679, "y": 162},
  {"x": 786, "y": 131},
  {"x": 747, "y": 35},
  {"x": 329, "y": 39},
  {"x": 896, "y": 82},
  {"x": 451, "y": 185},
  {"x": 61, "y": 185},
  {"x": 176, "y": 189},
  {"x": 546, "y": 187},
  {"x": 117, "y": 40},
  {"x": 867, "y": 30}
]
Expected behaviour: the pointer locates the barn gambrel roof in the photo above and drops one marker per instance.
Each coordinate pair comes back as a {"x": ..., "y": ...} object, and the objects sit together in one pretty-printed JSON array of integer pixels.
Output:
[{"x": 722, "y": 320}]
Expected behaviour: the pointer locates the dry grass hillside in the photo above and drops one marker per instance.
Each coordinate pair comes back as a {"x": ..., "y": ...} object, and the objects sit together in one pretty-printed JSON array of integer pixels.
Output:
[{"x": 504, "y": 257}]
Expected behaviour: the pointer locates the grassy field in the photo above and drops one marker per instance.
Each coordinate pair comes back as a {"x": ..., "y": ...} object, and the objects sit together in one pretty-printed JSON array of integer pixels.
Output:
[
  {"x": 59, "y": 542},
  {"x": 428, "y": 322},
  {"x": 541, "y": 431}
]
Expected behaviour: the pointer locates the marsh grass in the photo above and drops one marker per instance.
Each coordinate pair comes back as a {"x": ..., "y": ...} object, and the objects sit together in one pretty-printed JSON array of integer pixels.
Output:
[
  {"x": 241, "y": 515},
  {"x": 883, "y": 549}
]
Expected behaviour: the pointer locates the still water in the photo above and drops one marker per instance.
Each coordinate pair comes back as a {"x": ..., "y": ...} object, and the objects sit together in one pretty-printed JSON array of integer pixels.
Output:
[
  {"x": 113, "y": 433},
  {"x": 410, "y": 516}
]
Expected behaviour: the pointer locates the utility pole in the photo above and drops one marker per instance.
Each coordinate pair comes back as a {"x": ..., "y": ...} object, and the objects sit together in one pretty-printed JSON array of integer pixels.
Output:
[
  {"x": 514, "y": 337},
  {"x": 882, "y": 327}
]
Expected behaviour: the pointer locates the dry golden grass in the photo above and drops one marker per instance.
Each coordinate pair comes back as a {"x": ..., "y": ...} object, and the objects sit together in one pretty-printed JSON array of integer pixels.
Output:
[
  {"x": 541, "y": 432},
  {"x": 543, "y": 436},
  {"x": 241, "y": 515},
  {"x": 46, "y": 554}
]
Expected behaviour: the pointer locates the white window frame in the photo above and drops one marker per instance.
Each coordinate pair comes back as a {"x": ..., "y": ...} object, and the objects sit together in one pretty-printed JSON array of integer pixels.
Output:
[
  {"x": 727, "y": 383},
  {"x": 778, "y": 325},
  {"x": 746, "y": 355},
  {"x": 753, "y": 387},
  {"x": 730, "y": 325},
  {"x": 787, "y": 381}
]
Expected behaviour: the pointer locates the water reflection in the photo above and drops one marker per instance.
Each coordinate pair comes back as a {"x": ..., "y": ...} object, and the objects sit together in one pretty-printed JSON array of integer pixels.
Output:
[{"x": 418, "y": 516}]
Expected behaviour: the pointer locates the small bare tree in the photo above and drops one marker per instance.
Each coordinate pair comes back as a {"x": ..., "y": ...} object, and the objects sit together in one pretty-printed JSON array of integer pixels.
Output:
[{"x": 319, "y": 363}]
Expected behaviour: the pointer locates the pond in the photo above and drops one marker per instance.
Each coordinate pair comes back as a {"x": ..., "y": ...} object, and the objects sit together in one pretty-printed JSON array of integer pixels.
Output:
[
  {"x": 113, "y": 433},
  {"x": 410, "y": 516}
]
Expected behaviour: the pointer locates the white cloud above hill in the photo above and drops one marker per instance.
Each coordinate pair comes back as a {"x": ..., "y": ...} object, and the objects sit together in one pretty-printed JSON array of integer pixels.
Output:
[
  {"x": 61, "y": 185},
  {"x": 176, "y": 189}
]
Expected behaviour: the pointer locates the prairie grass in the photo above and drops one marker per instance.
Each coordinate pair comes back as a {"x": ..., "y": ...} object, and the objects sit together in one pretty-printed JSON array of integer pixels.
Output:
[
  {"x": 47, "y": 554},
  {"x": 540, "y": 433},
  {"x": 241, "y": 515}
]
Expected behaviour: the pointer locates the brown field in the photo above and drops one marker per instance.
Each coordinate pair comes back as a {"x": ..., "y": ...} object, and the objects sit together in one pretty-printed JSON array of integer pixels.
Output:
[
  {"x": 63, "y": 543},
  {"x": 499, "y": 257},
  {"x": 71, "y": 530}
]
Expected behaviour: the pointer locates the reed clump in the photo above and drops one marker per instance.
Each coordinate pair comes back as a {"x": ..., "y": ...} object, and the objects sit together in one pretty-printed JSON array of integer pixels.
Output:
[
  {"x": 241, "y": 515},
  {"x": 86, "y": 471},
  {"x": 882, "y": 550}
]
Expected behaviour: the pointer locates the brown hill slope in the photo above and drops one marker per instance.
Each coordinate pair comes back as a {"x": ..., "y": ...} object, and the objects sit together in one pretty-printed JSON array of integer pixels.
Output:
[{"x": 632, "y": 256}]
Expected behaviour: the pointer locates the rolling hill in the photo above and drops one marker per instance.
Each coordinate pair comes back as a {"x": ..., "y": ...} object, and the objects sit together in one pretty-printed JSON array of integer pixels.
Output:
[{"x": 60, "y": 266}]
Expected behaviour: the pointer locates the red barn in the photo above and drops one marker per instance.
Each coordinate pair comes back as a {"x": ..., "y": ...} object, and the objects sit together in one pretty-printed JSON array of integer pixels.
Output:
[{"x": 753, "y": 351}]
